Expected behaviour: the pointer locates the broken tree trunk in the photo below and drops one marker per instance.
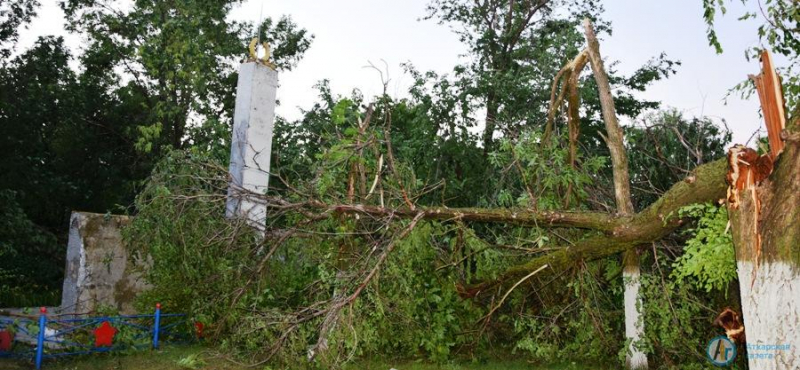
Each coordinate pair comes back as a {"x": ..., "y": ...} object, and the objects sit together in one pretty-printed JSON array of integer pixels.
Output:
[
  {"x": 764, "y": 211},
  {"x": 634, "y": 325}
]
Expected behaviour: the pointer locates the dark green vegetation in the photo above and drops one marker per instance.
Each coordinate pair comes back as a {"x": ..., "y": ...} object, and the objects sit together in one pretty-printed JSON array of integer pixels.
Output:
[
  {"x": 143, "y": 127},
  {"x": 201, "y": 358}
]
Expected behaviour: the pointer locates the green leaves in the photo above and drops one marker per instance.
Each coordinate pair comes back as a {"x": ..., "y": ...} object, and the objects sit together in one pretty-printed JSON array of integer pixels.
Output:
[
  {"x": 286, "y": 39},
  {"x": 777, "y": 32},
  {"x": 179, "y": 57},
  {"x": 14, "y": 14},
  {"x": 29, "y": 258},
  {"x": 708, "y": 261},
  {"x": 541, "y": 176}
]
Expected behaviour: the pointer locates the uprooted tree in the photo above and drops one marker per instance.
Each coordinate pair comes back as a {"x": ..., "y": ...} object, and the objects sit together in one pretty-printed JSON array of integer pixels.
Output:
[{"x": 342, "y": 252}]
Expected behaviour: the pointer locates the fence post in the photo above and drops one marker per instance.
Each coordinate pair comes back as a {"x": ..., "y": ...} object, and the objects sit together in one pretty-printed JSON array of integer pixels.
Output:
[
  {"x": 157, "y": 325},
  {"x": 40, "y": 338}
]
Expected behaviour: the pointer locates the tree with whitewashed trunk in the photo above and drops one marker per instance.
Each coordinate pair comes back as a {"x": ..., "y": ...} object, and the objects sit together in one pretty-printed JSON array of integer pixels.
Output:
[
  {"x": 764, "y": 210},
  {"x": 634, "y": 326}
]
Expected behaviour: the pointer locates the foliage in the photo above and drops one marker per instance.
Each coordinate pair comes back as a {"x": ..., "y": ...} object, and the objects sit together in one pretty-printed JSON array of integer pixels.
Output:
[
  {"x": 543, "y": 174},
  {"x": 516, "y": 48},
  {"x": 778, "y": 31},
  {"x": 27, "y": 271},
  {"x": 179, "y": 56},
  {"x": 65, "y": 148},
  {"x": 14, "y": 14},
  {"x": 153, "y": 75},
  {"x": 580, "y": 323},
  {"x": 192, "y": 361},
  {"x": 708, "y": 261},
  {"x": 268, "y": 299},
  {"x": 76, "y": 155},
  {"x": 154, "y": 92},
  {"x": 676, "y": 316},
  {"x": 224, "y": 274}
]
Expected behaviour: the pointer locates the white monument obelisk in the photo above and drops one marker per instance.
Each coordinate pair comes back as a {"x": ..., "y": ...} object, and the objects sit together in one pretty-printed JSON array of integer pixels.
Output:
[{"x": 251, "y": 145}]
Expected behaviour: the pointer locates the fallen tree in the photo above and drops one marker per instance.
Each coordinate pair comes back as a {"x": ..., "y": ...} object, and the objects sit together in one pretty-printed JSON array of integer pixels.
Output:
[
  {"x": 764, "y": 216},
  {"x": 361, "y": 230},
  {"x": 615, "y": 233}
]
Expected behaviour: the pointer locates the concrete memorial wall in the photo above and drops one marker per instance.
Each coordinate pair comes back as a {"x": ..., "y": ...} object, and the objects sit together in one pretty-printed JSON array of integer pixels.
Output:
[{"x": 99, "y": 270}]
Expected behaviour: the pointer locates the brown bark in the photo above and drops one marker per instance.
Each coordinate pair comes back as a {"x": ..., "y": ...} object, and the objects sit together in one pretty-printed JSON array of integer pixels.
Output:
[
  {"x": 599, "y": 221},
  {"x": 765, "y": 225},
  {"x": 764, "y": 211},
  {"x": 491, "y": 123},
  {"x": 568, "y": 77},
  {"x": 622, "y": 187},
  {"x": 635, "y": 359},
  {"x": 766, "y": 219},
  {"x": 615, "y": 233},
  {"x": 763, "y": 197},
  {"x": 704, "y": 185}
]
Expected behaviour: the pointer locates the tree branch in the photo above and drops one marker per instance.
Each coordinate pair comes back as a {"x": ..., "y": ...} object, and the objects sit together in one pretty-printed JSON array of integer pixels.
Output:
[
  {"x": 619, "y": 161},
  {"x": 707, "y": 183},
  {"x": 598, "y": 221}
]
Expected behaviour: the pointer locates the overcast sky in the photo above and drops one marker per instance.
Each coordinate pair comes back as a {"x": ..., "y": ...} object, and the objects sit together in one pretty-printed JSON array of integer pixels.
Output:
[{"x": 352, "y": 33}]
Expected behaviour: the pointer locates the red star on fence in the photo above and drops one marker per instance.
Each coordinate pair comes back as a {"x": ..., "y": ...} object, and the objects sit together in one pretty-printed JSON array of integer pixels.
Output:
[
  {"x": 199, "y": 328},
  {"x": 104, "y": 335},
  {"x": 5, "y": 341}
]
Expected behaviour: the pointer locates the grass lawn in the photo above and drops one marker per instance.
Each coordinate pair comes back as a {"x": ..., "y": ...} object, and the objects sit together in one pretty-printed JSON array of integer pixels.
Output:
[{"x": 200, "y": 358}]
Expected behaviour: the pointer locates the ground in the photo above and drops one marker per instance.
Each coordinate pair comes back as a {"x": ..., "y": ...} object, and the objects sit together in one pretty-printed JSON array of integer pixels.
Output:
[{"x": 200, "y": 358}]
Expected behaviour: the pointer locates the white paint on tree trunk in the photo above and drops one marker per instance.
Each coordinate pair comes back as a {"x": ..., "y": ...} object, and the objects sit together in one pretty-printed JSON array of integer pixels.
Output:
[
  {"x": 634, "y": 325},
  {"x": 771, "y": 308},
  {"x": 251, "y": 145}
]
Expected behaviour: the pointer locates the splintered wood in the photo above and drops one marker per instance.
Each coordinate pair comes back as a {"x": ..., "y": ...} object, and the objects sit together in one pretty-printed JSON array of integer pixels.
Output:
[
  {"x": 747, "y": 169},
  {"x": 770, "y": 92}
]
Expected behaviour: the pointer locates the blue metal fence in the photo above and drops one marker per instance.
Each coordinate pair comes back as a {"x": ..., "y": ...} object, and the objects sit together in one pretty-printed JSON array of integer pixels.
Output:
[{"x": 67, "y": 335}]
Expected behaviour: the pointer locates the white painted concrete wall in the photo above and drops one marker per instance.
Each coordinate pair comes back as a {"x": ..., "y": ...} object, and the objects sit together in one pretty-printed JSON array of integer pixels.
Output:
[{"x": 98, "y": 270}]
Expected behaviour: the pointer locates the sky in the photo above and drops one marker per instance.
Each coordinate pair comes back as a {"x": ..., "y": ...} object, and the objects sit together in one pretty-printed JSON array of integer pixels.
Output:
[{"x": 351, "y": 34}]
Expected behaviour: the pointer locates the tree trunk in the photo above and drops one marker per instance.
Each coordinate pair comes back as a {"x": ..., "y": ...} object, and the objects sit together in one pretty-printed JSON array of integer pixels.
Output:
[
  {"x": 764, "y": 211},
  {"x": 765, "y": 221},
  {"x": 491, "y": 123},
  {"x": 634, "y": 325}
]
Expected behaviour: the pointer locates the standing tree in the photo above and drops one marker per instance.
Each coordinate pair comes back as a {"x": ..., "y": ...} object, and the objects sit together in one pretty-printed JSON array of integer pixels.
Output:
[
  {"x": 515, "y": 49},
  {"x": 763, "y": 208},
  {"x": 177, "y": 58},
  {"x": 634, "y": 325}
]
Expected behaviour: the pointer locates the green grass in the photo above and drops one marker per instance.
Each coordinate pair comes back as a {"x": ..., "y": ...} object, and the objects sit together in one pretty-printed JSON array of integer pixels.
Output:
[{"x": 200, "y": 358}]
